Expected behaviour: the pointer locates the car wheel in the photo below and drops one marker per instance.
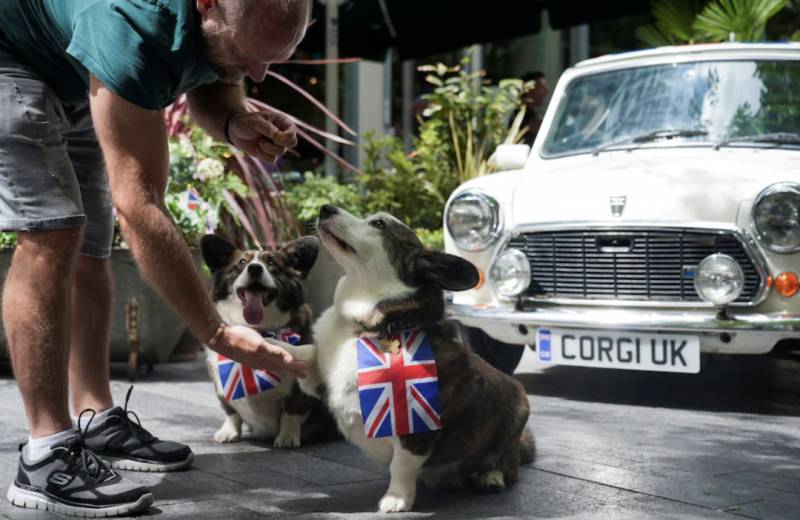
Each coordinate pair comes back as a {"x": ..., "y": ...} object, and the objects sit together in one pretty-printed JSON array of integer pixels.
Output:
[{"x": 503, "y": 356}]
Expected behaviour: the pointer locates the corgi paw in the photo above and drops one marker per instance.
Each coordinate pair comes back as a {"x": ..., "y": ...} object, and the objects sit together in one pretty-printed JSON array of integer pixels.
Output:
[
  {"x": 492, "y": 481},
  {"x": 227, "y": 434},
  {"x": 391, "y": 503},
  {"x": 287, "y": 441}
]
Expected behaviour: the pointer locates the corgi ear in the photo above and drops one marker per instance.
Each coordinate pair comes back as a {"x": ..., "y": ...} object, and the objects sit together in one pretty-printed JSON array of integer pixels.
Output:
[
  {"x": 302, "y": 253},
  {"x": 217, "y": 252},
  {"x": 444, "y": 271}
]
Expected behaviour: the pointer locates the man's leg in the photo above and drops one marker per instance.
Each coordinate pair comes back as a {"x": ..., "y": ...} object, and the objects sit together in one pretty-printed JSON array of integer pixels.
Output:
[
  {"x": 36, "y": 315},
  {"x": 90, "y": 335}
]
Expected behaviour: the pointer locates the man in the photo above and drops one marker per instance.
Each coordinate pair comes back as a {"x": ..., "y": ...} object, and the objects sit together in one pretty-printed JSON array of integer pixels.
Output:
[
  {"x": 533, "y": 99},
  {"x": 75, "y": 73}
]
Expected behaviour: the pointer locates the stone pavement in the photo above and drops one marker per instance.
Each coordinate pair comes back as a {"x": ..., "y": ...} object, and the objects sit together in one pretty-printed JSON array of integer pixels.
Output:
[{"x": 612, "y": 445}]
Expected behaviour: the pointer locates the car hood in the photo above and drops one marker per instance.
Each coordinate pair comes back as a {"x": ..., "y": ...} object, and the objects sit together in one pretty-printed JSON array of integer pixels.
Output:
[{"x": 669, "y": 184}]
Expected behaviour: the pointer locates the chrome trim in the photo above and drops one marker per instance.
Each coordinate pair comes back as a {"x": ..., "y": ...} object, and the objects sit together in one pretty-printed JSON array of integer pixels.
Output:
[
  {"x": 498, "y": 224},
  {"x": 630, "y": 319},
  {"x": 747, "y": 242},
  {"x": 771, "y": 190}
]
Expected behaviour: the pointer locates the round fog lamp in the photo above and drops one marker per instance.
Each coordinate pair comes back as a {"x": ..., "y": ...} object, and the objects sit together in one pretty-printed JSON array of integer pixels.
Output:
[
  {"x": 718, "y": 280},
  {"x": 511, "y": 273}
]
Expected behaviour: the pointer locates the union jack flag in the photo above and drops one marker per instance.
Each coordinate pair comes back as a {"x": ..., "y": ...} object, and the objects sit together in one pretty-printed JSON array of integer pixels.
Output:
[
  {"x": 398, "y": 391},
  {"x": 238, "y": 381}
]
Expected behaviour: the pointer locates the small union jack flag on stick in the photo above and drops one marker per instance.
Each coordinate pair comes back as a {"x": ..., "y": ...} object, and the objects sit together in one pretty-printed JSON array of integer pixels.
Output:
[
  {"x": 399, "y": 390},
  {"x": 193, "y": 199},
  {"x": 238, "y": 381}
]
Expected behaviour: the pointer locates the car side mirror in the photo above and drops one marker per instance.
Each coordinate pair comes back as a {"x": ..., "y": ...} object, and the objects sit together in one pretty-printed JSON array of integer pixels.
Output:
[{"x": 510, "y": 156}]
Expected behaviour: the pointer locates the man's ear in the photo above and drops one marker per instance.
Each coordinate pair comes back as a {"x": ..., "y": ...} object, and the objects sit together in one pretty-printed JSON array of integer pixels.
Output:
[
  {"x": 302, "y": 253},
  {"x": 204, "y": 6},
  {"x": 217, "y": 252},
  {"x": 444, "y": 271}
]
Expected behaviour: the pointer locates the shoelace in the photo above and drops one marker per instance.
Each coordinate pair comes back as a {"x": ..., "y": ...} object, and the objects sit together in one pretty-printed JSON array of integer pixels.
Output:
[
  {"x": 90, "y": 463},
  {"x": 136, "y": 428}
]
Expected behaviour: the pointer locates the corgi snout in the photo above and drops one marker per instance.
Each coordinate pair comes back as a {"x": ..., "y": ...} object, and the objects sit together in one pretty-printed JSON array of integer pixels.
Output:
[
  {"x": 327, "y": 211},
  {"x": 255, "y": 270}
]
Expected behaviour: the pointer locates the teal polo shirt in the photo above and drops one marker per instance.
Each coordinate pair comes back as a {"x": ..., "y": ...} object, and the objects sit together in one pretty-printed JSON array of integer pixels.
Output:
[{"x": 146, "y": 51}]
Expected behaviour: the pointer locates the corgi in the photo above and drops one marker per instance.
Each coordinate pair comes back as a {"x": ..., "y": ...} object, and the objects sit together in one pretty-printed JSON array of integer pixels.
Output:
[
  {"x": 263, "y": 289},
  {"x": 393, "y": 284}
]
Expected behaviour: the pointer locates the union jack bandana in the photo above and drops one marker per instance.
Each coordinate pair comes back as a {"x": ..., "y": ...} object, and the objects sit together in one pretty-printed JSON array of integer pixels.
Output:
[
  {"x": 238, "y": 381},
  {"x": 398, "y": 390}
]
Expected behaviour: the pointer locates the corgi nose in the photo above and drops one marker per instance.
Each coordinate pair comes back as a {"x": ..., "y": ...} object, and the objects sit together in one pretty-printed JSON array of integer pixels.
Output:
[
  {"x": 327, "y": 210},
  {"x": 255, "y": 270}
]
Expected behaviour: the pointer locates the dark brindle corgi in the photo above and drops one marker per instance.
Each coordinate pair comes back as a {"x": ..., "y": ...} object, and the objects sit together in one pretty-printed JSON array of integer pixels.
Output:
[
  {"x": 393, "y": 284},
  {"x": 263, "y": 289}
]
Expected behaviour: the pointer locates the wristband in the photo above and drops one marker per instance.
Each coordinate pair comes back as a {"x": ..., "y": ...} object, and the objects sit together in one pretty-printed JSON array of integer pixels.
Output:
[
  {"x": 226, "y": 129},
  {"x": 214, "y": 339}
]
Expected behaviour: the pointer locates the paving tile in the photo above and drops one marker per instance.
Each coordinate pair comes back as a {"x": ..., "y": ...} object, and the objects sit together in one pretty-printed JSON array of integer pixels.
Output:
[{"x": 611, "y": 446}]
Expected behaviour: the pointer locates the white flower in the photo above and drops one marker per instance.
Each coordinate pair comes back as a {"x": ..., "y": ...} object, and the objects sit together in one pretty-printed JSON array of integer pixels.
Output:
[
  {"x": 184, "y": 146},
  {"x": 208, "y": 169}
]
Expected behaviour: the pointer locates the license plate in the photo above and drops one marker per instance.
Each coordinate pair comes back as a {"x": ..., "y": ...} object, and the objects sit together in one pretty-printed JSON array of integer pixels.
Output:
[{"x": 612, "y": 349}]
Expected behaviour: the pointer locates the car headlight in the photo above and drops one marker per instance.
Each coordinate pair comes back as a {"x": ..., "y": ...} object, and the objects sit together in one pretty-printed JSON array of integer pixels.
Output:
[
  {"x": 473, "y": 220},
  {"x": 718, "y": 280},
  {"x": 776, "y": 215},
  {"x": 511, "y": 273}
]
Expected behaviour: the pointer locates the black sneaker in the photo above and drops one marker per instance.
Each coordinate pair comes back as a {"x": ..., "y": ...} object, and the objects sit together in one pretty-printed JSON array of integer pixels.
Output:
[
  {"x": 123, "y": 442},
  {"x": 73, "y": 481}
]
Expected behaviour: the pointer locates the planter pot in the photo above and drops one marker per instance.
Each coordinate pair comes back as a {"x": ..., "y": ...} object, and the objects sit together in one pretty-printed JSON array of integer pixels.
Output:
[{"x": 144, "y": 328}]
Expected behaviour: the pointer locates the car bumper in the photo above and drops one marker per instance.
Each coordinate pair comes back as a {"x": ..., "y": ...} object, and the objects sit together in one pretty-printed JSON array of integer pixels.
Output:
[{"x": 744, "y": 333}]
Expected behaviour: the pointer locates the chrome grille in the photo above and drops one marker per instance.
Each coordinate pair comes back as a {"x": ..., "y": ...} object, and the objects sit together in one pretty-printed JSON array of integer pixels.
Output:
[{"x": 628, "y": 264}]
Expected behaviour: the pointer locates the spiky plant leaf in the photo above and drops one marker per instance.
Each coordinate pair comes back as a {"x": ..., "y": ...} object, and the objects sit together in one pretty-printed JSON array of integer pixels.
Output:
[
  {"x": 745, "y": 20},
  {"x": 673, "y": 24}
]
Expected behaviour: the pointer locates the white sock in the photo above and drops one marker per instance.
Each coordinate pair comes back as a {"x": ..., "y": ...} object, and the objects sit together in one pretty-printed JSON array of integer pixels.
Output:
[
  {"x": 40, "y": 448},
  {"x": 97, "y": 420}
]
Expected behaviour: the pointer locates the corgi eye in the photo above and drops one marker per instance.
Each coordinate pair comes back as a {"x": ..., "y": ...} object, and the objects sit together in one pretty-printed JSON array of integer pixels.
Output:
[
  {"x": 242, "y": 262},
  {"x": 271, "y": 261},
  {"x": 378, "y": 223}
]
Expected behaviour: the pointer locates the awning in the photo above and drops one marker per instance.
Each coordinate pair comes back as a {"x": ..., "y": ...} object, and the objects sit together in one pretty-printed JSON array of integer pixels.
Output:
[
  {"x": 418, "y": 28},
  {"x": 568, "y": 13}
]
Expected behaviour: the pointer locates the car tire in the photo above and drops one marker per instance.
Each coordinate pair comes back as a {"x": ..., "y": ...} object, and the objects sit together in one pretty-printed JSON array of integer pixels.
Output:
[{"x": 503, "y": 356}]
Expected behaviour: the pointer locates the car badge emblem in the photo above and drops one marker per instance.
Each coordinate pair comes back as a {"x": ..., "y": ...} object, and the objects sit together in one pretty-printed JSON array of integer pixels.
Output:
[{"x": 618, "y": 204}]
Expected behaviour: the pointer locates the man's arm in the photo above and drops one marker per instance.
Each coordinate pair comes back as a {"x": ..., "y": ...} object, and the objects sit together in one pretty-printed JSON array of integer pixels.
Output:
[
  {"x": 264, "y": 135},
  {"x": 134, "y": 144}
]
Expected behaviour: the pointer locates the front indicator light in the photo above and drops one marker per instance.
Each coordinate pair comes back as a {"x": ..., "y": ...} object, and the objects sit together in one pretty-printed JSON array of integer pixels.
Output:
[{"x": 787, "y": 284}]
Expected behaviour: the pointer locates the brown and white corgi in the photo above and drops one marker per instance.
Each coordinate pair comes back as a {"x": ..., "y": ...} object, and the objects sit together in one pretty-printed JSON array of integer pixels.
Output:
[
  {"x": 263, "y": 289},
  {"x": 393, "y": 284}
]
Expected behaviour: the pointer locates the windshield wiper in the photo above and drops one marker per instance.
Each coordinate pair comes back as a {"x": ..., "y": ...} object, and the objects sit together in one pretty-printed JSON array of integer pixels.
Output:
[
  {"x": 667, "y": 133},
  {"x": 778, "y": 138}
]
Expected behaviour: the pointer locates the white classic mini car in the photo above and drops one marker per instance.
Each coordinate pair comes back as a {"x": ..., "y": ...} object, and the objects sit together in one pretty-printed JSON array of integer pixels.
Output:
[{"x": 656, "y": 217}]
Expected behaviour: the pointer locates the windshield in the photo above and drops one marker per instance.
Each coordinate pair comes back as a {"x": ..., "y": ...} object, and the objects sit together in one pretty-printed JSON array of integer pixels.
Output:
[{"x": 720, "y": 99}]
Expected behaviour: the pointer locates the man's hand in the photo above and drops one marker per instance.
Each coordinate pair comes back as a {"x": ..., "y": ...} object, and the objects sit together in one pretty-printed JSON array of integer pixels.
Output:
[
  {"x": 245, "y": 345},
  {"x": 263, "y": 135}
]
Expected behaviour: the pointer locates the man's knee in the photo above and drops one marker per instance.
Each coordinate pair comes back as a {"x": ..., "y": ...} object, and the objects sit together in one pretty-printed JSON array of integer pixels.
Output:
[{"x": 59, "y": 246}]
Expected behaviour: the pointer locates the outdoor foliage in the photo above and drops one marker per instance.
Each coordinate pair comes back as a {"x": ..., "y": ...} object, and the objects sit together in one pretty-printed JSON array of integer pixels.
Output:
[
  {"x": 695, "y": 21},
  {"x": 464, "y": 121},
  {"x": 745, "y": 19},
  {"x": 306, "y": 197},
  {"x": 674, "y": 23}
]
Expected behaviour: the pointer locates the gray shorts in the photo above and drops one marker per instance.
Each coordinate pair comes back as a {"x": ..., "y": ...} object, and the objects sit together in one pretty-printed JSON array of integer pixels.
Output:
[{"x": 52, "y": 174}]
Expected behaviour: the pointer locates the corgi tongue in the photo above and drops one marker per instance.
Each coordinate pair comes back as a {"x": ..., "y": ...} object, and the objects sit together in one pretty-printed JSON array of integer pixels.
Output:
[{"x": 253, "y": 307}]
